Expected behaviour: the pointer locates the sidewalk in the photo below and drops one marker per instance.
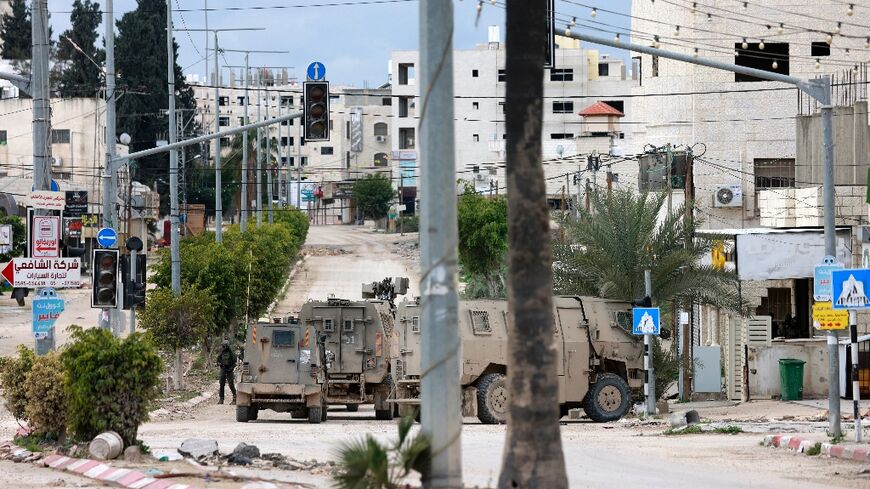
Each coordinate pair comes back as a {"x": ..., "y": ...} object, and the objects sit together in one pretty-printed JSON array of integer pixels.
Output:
[{"x": 815, "y": 444}]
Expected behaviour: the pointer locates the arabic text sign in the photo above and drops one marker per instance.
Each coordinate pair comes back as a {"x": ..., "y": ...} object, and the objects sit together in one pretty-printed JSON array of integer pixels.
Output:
[
  {"x": 822, "y": 278},
  {"x": 43, "y": 199},
  {"x": 43, "y": 272},
  {"x": 826, "y": 317},
  {"x": 45, "y": 237},
  {"x": 46, "y": 309}
]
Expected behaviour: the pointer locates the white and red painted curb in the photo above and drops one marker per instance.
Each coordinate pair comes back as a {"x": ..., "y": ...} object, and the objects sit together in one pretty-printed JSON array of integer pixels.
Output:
[
  {"x": 97, "y": 470},
  {"x": 801, "y": 445}
]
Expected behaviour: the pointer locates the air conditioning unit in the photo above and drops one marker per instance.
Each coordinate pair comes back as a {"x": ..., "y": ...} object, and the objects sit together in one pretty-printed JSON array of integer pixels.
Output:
[
  {"x": 380, "y": 139},
  {"x": 728, "y": 196},
  {"x": 56, "y": 161}
]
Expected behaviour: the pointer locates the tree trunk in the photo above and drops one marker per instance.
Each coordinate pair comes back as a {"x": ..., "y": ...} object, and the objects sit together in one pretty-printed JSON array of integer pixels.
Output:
[
  {"x": 533, "y": 450},
  {"x": 179, "y": 383}
]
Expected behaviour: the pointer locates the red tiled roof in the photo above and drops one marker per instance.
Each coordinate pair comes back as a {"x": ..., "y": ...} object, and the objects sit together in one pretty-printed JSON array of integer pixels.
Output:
[{"x": 600, "y": 108}]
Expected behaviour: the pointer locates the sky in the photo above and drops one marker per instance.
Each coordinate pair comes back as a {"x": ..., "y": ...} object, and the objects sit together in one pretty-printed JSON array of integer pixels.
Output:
[{"x": 353, "y": 41}]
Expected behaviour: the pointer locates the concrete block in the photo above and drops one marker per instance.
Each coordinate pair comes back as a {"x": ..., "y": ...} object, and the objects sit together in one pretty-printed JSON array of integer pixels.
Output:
[{"x": 684, "y": 418}]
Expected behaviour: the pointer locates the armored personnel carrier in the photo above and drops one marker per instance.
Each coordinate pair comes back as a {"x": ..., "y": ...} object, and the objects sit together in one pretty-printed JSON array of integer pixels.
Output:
[
  {"x": 599, "y": 361},
  {"x": 356, "y": 334},
  {"x": 283, "y": 369}
]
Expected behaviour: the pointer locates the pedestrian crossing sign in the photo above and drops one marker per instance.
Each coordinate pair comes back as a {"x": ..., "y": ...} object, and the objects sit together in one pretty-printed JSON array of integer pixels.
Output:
[
  {"x": 646, "y": 320},
  {"x": 850, "y": 288}
]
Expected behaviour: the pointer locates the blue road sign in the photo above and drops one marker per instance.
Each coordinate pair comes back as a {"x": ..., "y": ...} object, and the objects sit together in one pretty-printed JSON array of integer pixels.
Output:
[
  {"x": 646, "y": 320},
  {"x": 107, "y": 237},
  {"x": 822, "y": 278},
  {"x": 47, "y": 307},
  {"x": 850, "y": 288},
  {"x": 316, "y": 71}
]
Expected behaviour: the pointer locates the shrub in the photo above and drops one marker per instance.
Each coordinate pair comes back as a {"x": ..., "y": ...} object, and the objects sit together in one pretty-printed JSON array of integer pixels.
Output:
[
  {"x": 46, "y": 399},
  {"x": 177, "y": 322},
  {"x": 109, "y": 382},
  {"x": 13, "y": 373}
]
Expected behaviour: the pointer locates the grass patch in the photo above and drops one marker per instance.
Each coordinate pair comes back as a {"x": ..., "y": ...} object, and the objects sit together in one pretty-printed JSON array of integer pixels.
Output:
[
  {"x": 691, "y": 430},
  {"x": 728, "y": 430},
  {"x": 32, "y": 443},
  {"x": 836, "y": 440},
  {"x": 814, "y": 450}
]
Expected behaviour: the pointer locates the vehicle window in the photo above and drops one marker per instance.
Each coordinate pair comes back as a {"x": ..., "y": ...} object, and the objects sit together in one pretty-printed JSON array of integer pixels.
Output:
[
  {"x": 327, "y": 325},
  {"x": 283, "y": 339},
  {"x": 480, "y": 322},
  {"x": 415, "y": 324},
  {"x": 348, "y": 324}
]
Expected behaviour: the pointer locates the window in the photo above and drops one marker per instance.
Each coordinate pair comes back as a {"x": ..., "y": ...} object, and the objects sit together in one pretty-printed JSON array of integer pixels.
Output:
[
  {"x": 404, "y": 103},
  {"x": 820, "y": 49},
  {"x": 292, "y": 161},
  {"x": 347, "y": 130},
  {"x": 3, "y": 138},
  {"x": 380, "y": 129},
  {"x": 303, "y": 161},
  {"x": 774, "y": 173},
  {"x": 603, "y": 69},
  {"x": 475, "y": 105},
  {"x": 241, "y": 121},
  {"x": 241, "y": 100},
  {"x": 283, "y": 339},
  {"x": 60, "y": 136},
  {"x": 283, "y": 161},
  {"x": 562, "y": 135},
  {"x": 474, "y": 73},
  {"x": 415, "y": 324},
  {"x": 326, "y": 150},
  {"x": 381, "y": 159},
  {"x": 502, "y": 75},
  {"x": 406, "y": 138},
  {"x": 655, "y": 66},
  {"x": 773, "y": 58},
  {"x": 406, "y": 73},
  {"x": 301, "y": 141},
  {"x": 348, "y": 325},
  {"x": 223, "y": 100},
  {"x": 502, "y": 107},
  {"x": 616, "y": 104},
  {"x": 480, "y": 322},
  {"x": 386, "y": 101},
  {"x": 286, "y": 140},
  {"x": 563, "y": 107},
  {"x": 327, "y": 325},
  {"x": 475, "y": 138},
  {"x": 562, "y": 74},
  {"x": 286, "y": 100},
  {"x": 224, "y": 120},
  {"x": 225, "y": 142}
]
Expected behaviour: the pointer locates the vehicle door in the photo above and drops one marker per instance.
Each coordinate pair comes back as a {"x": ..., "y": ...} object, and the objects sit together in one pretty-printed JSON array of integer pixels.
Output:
[
  {"x": 353, "y": 336},
  {"x": 409, "y": 341},
  {"x": 279, "y": 353},
  {"x": 574, "y": 364}
]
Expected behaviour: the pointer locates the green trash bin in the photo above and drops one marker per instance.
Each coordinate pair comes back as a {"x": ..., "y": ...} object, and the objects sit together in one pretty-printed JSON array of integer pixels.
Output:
[{"x": 791, "y": 378}]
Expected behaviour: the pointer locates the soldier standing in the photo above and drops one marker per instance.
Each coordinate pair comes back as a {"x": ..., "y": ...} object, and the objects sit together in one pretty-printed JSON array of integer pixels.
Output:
[{"x": 226, "y": 360}]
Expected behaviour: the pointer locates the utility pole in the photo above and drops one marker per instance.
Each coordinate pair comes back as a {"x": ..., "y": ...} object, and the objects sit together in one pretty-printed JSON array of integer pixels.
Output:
[
  {"x": 110, "y": 175},
  {"x": 441, "y": 348},
  {"x": 649, "y": 369},
  {"x": 41, "y": 121},
  {"x": 820, "y": 90},
  {"x": 245, "y": 203},
  {"x": 856, "y": 385},
  {"x": 685, "y": 329},
  {"x": 268, "y": 131},
  {"x": 259, "y": 152},
  {"x": 174, "y": 236}
]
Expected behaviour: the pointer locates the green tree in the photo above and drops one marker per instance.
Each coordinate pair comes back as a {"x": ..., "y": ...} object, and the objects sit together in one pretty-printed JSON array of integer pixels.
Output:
[
  {"x": 483, "y": 234},
  {"x": 110, "y": 382},
  {"x": 607, "y": 248},
  {"x": 372, "y": 195},
  {"x": 19, "y": 237},
  {"x": 79, "y": 75},
  {"x": 15, "y": 31},
  {"x": 140, "y": 60}
]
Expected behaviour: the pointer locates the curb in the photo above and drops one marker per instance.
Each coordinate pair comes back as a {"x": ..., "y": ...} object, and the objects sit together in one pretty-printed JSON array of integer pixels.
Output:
[
  {"x": 94, "y": 469},
  {"x": 801, "y": 445}
]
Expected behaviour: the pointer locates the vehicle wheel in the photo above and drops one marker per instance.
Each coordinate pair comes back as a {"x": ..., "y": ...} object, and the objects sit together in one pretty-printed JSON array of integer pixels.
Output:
[
  {"x": 315, "y": 415},
  {"x": 352, "y": 408},
  {"x": 243, "y": 414},
  {"x": 608, "y": 400},
  {"x": 300, "y": 413},
  {"x": 253, "y": 413},
  {"x": 324, "y": 408},
  {"x": 492, "y": 399}
]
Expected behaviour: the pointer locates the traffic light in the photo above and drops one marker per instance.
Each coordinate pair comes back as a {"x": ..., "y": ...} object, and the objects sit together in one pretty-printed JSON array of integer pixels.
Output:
[
  {"x": 315, "y": 110},
  {"x": 134, "y": 292},
  {"x": 105, "y": 278}
]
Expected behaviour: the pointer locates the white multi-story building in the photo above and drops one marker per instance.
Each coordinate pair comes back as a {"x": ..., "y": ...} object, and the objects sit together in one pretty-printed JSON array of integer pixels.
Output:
[
  {"x": 580, "y": 79},
  {"x": 359, "y": 133}
]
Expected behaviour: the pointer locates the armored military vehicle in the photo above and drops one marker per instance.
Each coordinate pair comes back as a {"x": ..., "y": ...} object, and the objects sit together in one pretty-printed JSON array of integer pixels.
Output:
[
  {"x": 356, "y": 333},
  {"x": 283, "y": 369},
  {"x": 599, "y": 361}
]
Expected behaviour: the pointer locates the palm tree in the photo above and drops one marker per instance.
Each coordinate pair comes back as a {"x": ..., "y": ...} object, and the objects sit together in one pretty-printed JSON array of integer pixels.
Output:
[{"x": 606, "y": 249}]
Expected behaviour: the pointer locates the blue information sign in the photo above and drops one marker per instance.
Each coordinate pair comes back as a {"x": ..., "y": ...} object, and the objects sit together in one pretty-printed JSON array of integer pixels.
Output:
[
  {"x": 850, "y": 288},
  {"x": 822, "y": 278},
  {"x": 107, "y": 237},
  {"x": 47, "y": 307},
  {"x": 316, "y": 71},
  {"x": 645, "y": 320}
]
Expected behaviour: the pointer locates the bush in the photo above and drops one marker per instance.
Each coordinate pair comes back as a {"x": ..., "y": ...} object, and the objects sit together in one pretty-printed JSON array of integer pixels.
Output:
[
  {"x": 409, "y": 224},
  {"x": 46, "y": 407},
  {"x": 109, "y": 382},
  {"x": 13, "y": 374},
  {"x": 177, "y": 322}
]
